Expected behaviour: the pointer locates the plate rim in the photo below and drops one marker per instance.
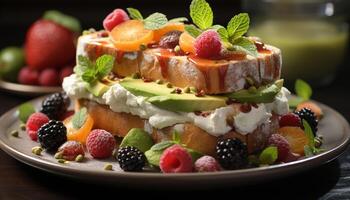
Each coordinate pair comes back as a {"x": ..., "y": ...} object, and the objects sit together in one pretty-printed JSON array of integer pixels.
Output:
[
  {"x": 22, "y": 89},
  {"x": 299, "y": 165}
]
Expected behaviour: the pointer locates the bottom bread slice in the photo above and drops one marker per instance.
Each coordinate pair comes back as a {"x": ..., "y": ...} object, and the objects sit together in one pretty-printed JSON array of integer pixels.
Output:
[{"x": 192, "y": 136}]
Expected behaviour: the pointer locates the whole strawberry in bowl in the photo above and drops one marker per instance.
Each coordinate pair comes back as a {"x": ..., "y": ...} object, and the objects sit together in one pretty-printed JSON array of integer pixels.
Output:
[{"x": 50, "y": 41}]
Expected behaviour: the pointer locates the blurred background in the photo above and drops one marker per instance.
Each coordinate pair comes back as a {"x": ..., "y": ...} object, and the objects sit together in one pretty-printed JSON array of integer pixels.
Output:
[{"x": 313, "y": 34}]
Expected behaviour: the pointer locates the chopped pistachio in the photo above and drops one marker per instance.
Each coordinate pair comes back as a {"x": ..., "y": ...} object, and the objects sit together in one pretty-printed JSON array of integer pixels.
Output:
[
  {"x": 79, "y": 158},
  {"x": 108, "y": 167},
  {"x": 14, "y": 133},
  {"x": 135, "y": 76},
  {"x": 177, "y": 49},
  {"x": 143, "y": 47},
  {"x": 252, "y": 89},
  {"x": 159, "y": 81},
  {"x": 22, "y": 127},
  {"x": 37, "y": 150},
  {"x": 173, "y": 91},
  {"x": 63, "y": 161},
  {"x": 193, "y": 89},
  {"x": 187, "y": 90},
  {"x": 59, "y": 155},
  {"x": 169, "y": 85}
]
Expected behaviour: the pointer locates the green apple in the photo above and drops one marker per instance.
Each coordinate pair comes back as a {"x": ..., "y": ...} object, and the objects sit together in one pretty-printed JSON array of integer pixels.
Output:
[{"x": 11, "y": 61}]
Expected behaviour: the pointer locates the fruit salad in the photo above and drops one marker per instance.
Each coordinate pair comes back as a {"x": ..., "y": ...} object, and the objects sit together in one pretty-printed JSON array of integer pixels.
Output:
[{"x": 177, "y": 97}]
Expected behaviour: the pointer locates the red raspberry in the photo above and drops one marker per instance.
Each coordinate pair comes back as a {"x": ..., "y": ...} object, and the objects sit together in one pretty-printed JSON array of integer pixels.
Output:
[
  {"x": 290, "y": 119},
  {"x": 100, "y": 143},
  {"x": 66, "y": 71},
  {"x": 282, "y": 145},
  {"x": 292, "y": 157},
  {"x": 28, "y": 76},
  {"x": 208, "y": 45},
  {"x": 114, "y": 18},
  {"x": 175, "y": 159},
  {"x": 71, "y": 149},
  {"x": 34, "y": 122},
  {"x": 49, "y": 77},
  {"x": 206, "y": 164}
]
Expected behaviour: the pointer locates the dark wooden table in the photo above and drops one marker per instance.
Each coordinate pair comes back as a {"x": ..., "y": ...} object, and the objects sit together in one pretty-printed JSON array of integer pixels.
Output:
[{"x": 330, "y": 181}]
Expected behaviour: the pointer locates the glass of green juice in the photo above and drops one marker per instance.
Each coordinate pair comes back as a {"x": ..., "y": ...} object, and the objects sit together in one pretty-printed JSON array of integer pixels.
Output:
[{"x": 312, "y": 36}]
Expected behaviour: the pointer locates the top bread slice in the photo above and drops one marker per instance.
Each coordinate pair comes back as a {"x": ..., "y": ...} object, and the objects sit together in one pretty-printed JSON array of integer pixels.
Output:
[{"x": 211, "y": 76}]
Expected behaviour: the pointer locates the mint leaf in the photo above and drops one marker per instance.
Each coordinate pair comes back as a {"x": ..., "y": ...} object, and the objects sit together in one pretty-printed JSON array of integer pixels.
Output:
[
  {"x": 308, "y": 151},
  {"x": 176, "y": 137},
  {"x": 268, "y": 156},
  {"x": 79, "y": 118},
  {"x": 155, "y": 21},
  {"x": 201, "y": 14},
  {"x": 89, "y": 75},
  {"x": 309, "y": 133},
  {"x": 162, "y": 146},
  {"x": 153, "y": 157},
  {"x": 134, "y": 13},
  {"x": 192, "y": 30},
  {"x": 24, "y": 111},
  {"x": 83, "y": 64},
  {"x": 222, "y": 32},
  {"x": 105, "y": 65},
  {"x": 179, "y": 19},
  {"x": 238, "y": 26},
  {"x": 245, "y": 45},
  {"x": 294, "y": 101},
  {"x": 303, "y": 89},
  {"x": 67, "y": 21}
]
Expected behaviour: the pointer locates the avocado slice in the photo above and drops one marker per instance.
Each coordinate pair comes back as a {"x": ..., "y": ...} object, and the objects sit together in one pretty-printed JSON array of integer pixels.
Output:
[
  {"x": 97, "y": 88},
  {"x": 265, "y": 94},
  {"x": 162, "y": 97}
]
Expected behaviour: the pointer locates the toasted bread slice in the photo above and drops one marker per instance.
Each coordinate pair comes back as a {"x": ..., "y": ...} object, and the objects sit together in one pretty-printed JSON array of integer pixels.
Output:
[
  {"x": 214, "y": 77},
  {"x": 192, "y": 136}
]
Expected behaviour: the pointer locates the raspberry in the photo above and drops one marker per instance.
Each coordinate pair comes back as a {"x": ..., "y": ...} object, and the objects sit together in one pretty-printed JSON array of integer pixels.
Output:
[
  {"x": 175, "y": 159},
  {"x": 282, "y": 145},
  {"x": 100, "y": 143},
  {"x": 71, "y": 149},
  {"x": 170, "y": 40},
  {"x": 206, "y": 164},
  {"x": 49, "y": 77},
  {"x": 66, "y": 71},
  {"x": 208, "y": 45},
  {"x": 52, "y": 135},
  {"x": 114, "y": 18},
  {"x": 28, "y": 76},
  {"x": 34, "y": 122},
  {"x": 290, "y": 119},
  {"x": 131, "y": 159},
  {"x": 232, "y": 153}
]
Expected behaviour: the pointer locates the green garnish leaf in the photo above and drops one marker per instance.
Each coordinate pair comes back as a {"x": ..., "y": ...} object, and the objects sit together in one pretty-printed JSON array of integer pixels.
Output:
[
  {"x": 245, "y": 45},
  {"x": 176, "y": 137},
  {"x": 162, "y": 145},
  {"x": 238, "y": 26},
  {"x": 67, "y": 21},
  {"x": 308, "y": 151},
  {"x": 155, "y": 21},
  {"x": 192, "y": 30},
  {"x": 268, "y": 156},
  {"x": 294, "y": 101},
  {"x": 89, "y": 75},
  {"x": 201, "y": 14},
  {"x": 309, "y": 134},
  {"x": 24, "y": 111},
  {"x": 179, "y": 19},
  {"x": 303, "y": 89},
  {"x": 134, "y": 13},
  {"x": 79, "y": 118},
  {"x": 222, "y": 32},
  {"x": 104, "y": 65}
]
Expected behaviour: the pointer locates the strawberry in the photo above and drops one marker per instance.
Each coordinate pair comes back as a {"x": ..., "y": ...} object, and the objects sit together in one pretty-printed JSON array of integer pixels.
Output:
[{"x": 49, "y": 45}]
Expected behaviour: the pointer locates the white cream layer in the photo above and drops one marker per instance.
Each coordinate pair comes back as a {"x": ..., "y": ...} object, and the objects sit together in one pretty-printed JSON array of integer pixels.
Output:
[{"x": 121, "y": 100}]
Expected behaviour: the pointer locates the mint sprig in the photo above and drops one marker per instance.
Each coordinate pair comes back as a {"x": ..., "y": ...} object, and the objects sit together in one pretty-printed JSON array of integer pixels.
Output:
[
  {"x": 238, "y": 26},
  {"x": 303, "y": 91},
  {"x": 67, "y": 21},
  {"x": 310, "y": 149},
  {"x": 24, "y": 111},
  {"x": 154, "y": 21},
  {"x": 178, "y": 19},
  {"x": 91, "y": 72},
  {"x": 201, "y": 14},
  {"x": 268, "y": 156},
  {"x": 79, "y": 118}
]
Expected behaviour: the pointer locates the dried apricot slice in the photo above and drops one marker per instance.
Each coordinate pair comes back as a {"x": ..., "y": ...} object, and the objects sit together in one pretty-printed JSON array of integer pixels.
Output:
[
  {"x": 130, "y": 35},
  {"x": 80, "y": 134},
  {"x": 186, "y": 43},
  {"x": 295, "y": 137},
  {"x": 167, "y": 28}
]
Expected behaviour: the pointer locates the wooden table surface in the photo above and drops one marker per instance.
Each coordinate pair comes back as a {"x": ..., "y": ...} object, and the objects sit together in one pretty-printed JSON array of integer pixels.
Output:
[{"x": 330, "y": 181}]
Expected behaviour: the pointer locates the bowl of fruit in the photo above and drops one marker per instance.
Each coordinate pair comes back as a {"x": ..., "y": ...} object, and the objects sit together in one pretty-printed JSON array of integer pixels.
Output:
[{"x": 47, "y": 56}]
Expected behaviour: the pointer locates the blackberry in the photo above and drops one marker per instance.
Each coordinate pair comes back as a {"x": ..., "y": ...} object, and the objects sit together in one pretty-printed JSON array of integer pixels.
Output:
[
  {"x": 232, "y": 153},
  {"x": 52, "y": 135},
  {"x": 131, "y": 159},
  {"x": 310, "y": 117},
  {"x": 55, "y": 105}
]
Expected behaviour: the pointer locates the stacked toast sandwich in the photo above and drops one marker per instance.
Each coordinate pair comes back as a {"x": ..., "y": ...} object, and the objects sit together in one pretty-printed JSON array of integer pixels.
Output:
[{"x": 205, "y": 82}]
